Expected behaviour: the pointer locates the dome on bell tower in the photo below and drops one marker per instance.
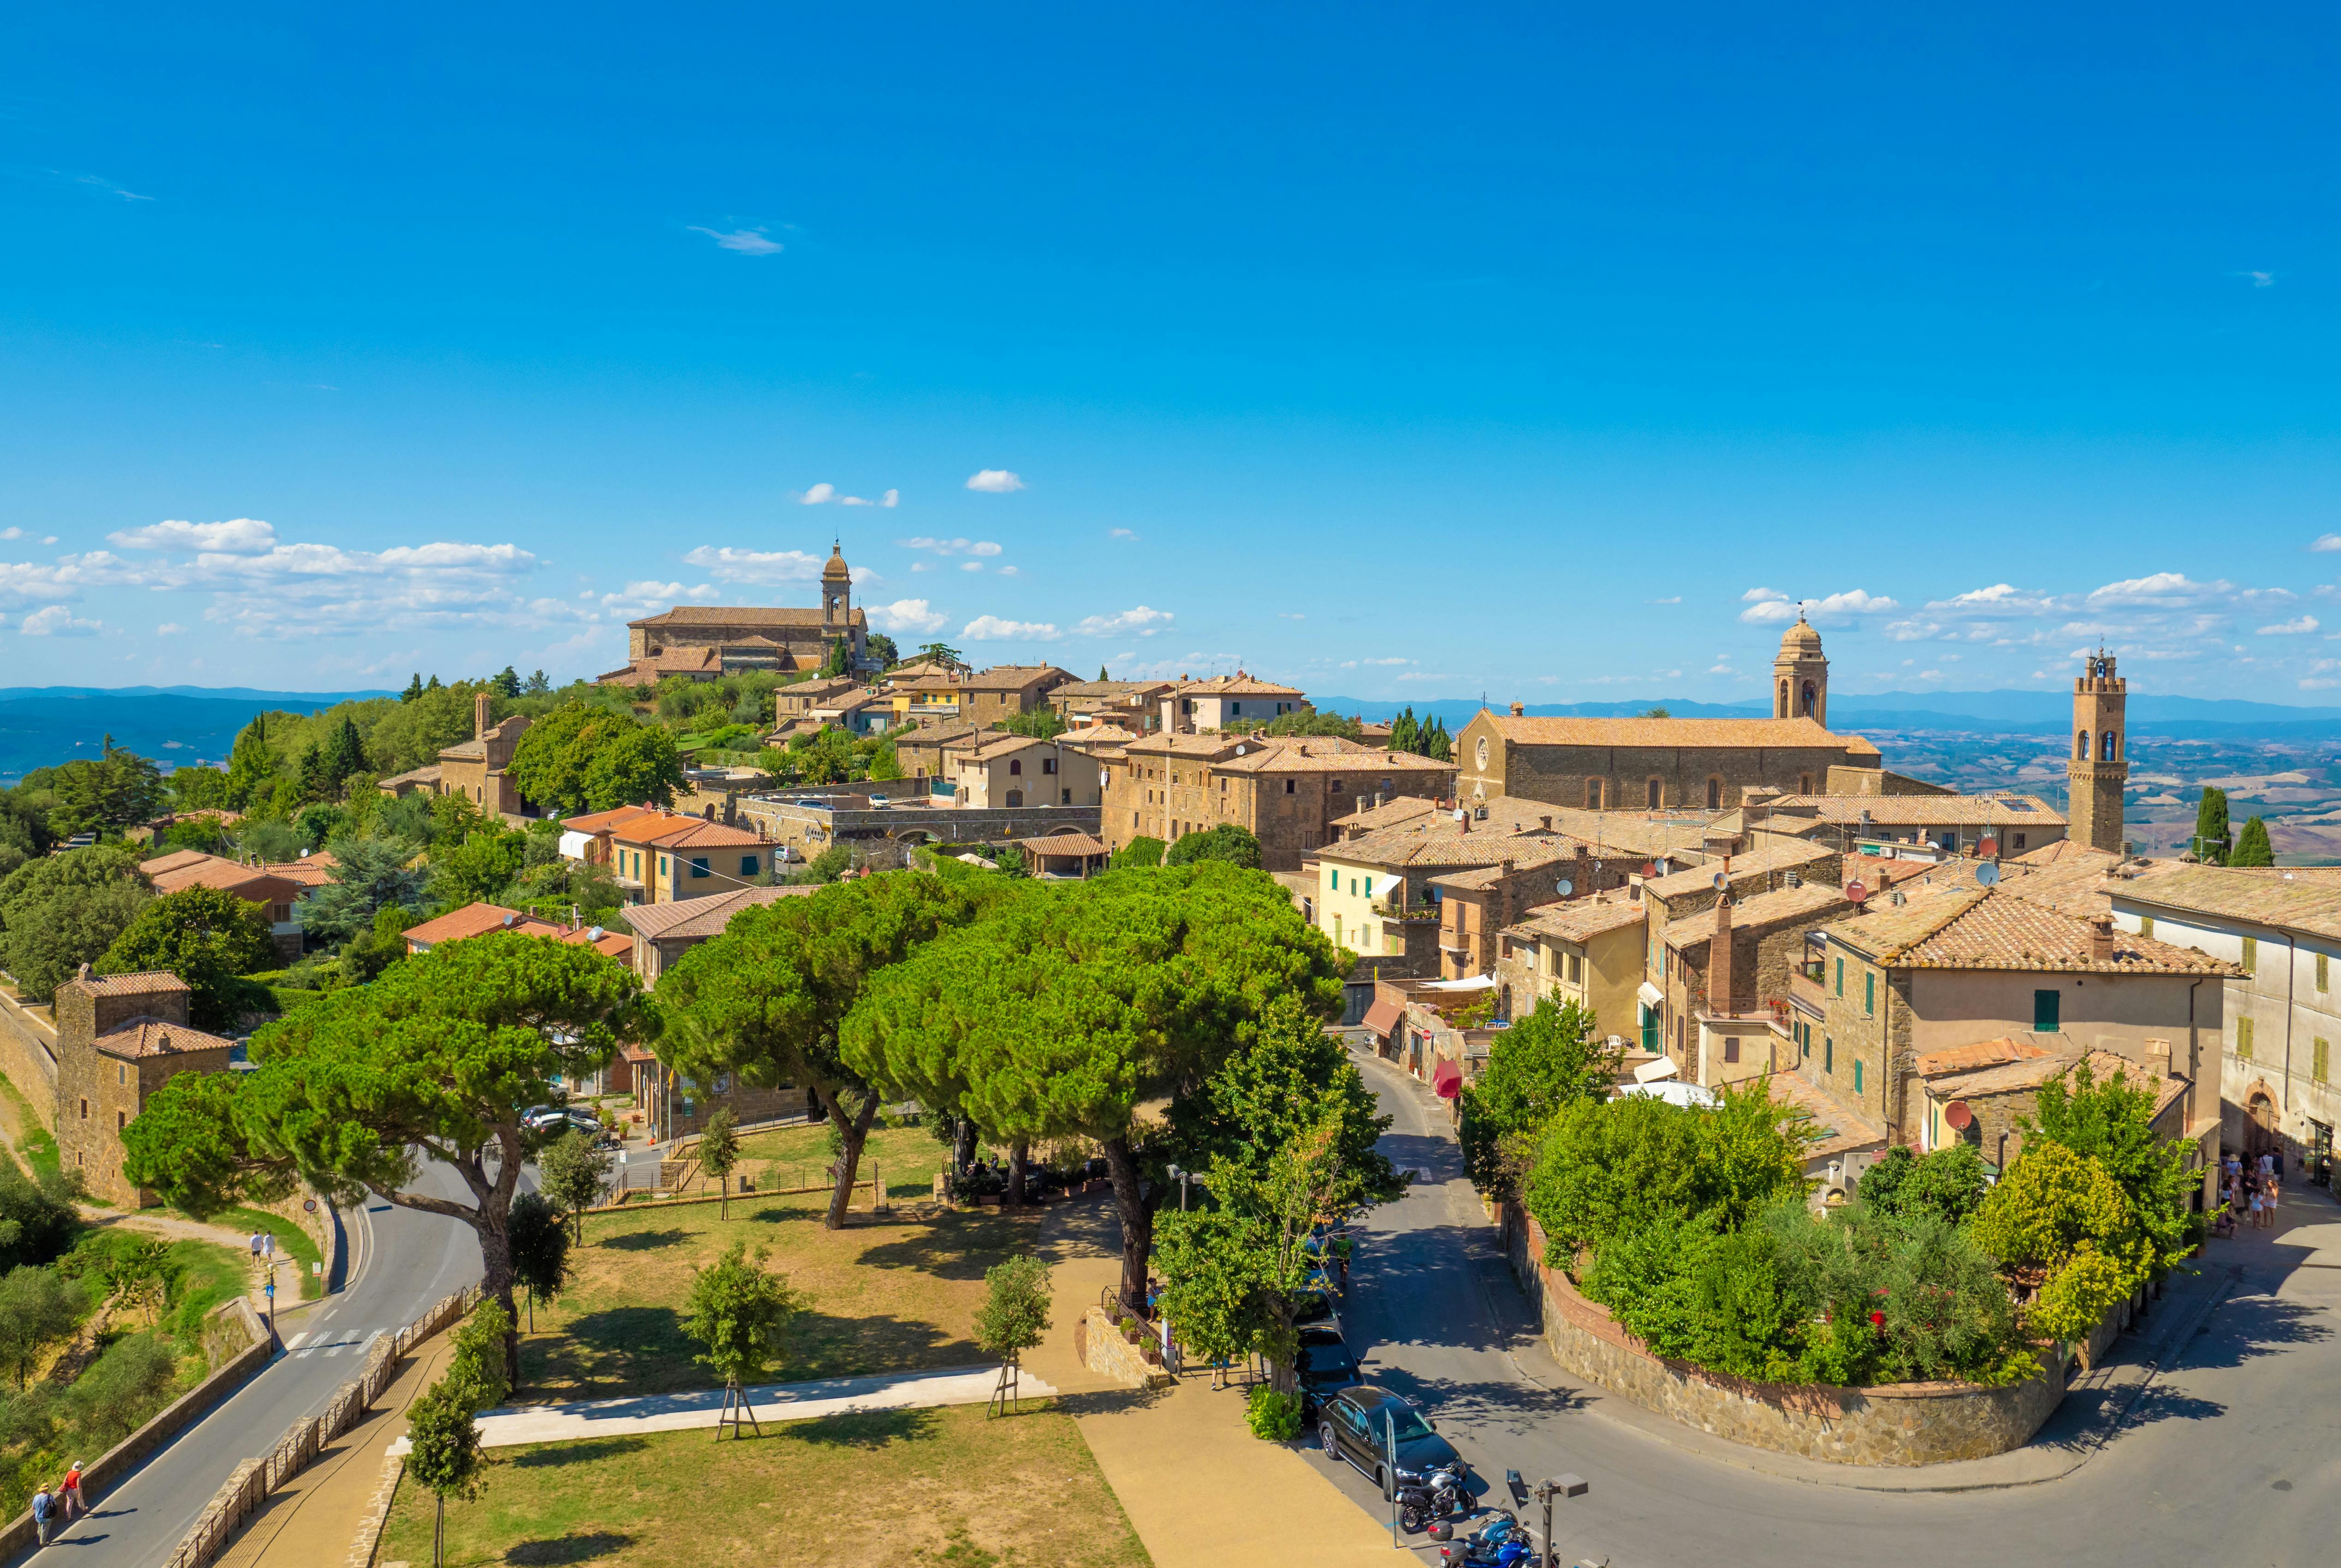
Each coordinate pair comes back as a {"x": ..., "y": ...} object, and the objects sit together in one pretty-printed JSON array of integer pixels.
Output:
[
  {"x": 836, "y": 571},
  {"x": 1800, "y": 675},
  {"x": 1800, "y": 641}
]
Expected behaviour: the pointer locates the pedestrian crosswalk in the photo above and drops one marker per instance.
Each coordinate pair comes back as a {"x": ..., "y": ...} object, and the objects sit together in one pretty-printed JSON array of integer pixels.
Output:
[{"x": 331, "y": 1341}]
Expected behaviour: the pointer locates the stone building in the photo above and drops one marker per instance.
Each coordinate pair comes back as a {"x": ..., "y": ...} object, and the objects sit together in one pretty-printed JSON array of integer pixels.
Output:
[
  {"x": 275, "y": 891},
  {"x": 703, "y": 641},
  {"x": 1007, "y": 690},
  {"x": 1134, "y": 705},
  {"x": 1475, "y": 906},
  {"x": 1724, "y": 981},
  {"x": 1583, "y": 951},
  {"x": 1286, "y": 790},
  {"x": 1943, "y": 824},
  {"x": 2098, "y": 770},
  {"x": 1002, "y": 771},
  {"x": 473, "y": 769},
  {"x": 1954, "y": 966},
  {"x": 1224, "y": 699},
  {"x": 1664, "y": 764},
  {"x": 120, "y": 1037},
  {"x": 665, "y": 932}
]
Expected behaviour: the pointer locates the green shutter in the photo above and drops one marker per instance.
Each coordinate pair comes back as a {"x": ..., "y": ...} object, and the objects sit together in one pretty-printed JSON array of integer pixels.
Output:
[
  {"x": 2320, "y": 973},
  {"x": 1840, "y": 977},
  {"x": 2317, "y": 1060},
  {"x": 2045, "y": 1016},
  {"x": 1829, "y": 1054},
  {"x": 2146, "y": 925},
  {"x": 1856, "y": 1076},
  {"x": 1869, "y": 995},
  {"x": 2251, "y": 955},
  {"x": 2244, "y": 1038}
]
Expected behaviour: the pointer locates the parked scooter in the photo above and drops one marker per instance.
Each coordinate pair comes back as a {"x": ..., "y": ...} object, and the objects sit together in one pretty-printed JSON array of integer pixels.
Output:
[
  {"x": 1435, "y": 1495},
  {"x": 1498, "y": 1543}
]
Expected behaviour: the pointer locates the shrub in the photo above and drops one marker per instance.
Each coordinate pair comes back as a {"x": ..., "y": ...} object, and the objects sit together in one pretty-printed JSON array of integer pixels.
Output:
[{"x": 1274, "y": 1417}]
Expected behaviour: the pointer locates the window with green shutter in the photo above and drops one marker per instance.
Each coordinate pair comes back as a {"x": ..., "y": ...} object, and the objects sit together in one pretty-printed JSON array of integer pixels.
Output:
[
  {"x": 2320, "y": 973},
  {"x": 2251, "y": 955},
  {"x": 2244, "y": 1038},
  {"x": 1840, "y": 977},
  {"x": 2146, "y": 925},
  {"x": 2318, "y": 1057},
  {"x": 1856, "y": 1077},
  {"x": 1869, "y": 993},
  {"x": 1829, "y": 1054},
  {"x": 2044, "y": 1011}
]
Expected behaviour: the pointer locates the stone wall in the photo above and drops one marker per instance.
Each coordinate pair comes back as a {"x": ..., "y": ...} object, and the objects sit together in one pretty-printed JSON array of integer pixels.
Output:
[
  {"x": 1903, "y": 1424},
  {"x": 28, "y": 1055},
  {"x": 1107, "y": 1354}
]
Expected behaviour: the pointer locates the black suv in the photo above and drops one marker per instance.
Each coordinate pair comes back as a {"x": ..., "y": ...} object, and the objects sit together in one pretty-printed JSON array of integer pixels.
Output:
[
  {"x": 1323, "y": 1365},
  {"x": 1356, "y": 1425}
]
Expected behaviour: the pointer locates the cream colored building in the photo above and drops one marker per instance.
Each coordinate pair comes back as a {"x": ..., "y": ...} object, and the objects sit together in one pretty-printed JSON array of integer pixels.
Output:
[
  {"x": 1018, "y": 770},
  {"x": 1587, "y": 951}
]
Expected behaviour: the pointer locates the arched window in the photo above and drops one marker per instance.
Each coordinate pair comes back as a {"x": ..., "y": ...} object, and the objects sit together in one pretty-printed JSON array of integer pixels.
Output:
[
  {"x": 1655, "y": 792},
  {"x": 1593, "y": 794},
  {"x": 2081, "y": 746},
  {"x": 2105, "y": 751},
  {"x": 1015, "y": 767},
  {"x": 1812, "y": 699},
  {"x": 1784, "y": 699},
  {"x": 1715, "y": 794}
]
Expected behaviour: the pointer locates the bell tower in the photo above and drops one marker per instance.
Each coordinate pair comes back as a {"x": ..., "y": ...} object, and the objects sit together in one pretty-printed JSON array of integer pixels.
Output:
[
  {"x": 836, "y": 594},
  {"x": 2098, "y": 769},
  {"x": 1800, "y": 676}
]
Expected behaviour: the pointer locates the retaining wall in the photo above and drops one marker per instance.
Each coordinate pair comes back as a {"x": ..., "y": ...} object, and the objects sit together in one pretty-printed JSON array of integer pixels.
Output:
[
  {"x": 28, "y": 1056},
  {"x": 1902, "y": 1423}
]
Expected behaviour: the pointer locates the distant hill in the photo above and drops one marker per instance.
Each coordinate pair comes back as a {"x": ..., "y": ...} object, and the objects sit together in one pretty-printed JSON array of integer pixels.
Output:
[
  {"x": 1987, "y": 712},
  {"x": 41, "y": 727}
]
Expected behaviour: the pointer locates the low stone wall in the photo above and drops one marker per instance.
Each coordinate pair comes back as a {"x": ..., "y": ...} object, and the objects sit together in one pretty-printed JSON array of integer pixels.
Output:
[
  {"x": 28, "y": 1056},
  {"x": 1902, "y": 1423},
  {"x": 1104, "y": 1352}
]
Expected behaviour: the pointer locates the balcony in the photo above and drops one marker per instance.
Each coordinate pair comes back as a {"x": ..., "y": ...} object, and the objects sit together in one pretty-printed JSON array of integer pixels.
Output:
[
  {"x": 1805, "y": 994},
  {"x": 1388, "y": 909}
]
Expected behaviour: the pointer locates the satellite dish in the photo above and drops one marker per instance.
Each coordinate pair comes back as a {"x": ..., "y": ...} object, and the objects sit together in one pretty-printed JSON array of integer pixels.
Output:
[
  {"x": 1958, "y": 1115},
  {"x": 1721, "y": 881},
  {"x": 1988, "y": 848},
  {"x": 1649, "y": 868},
  {"x": 1856, "y": 891},
  {"x": 1565, "y": 887},
  {"x": 1987, "y": 873}
]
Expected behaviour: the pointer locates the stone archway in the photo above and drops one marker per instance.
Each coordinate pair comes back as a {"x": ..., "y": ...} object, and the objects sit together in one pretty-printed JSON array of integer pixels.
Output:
[{"x": 2260, "y": 1135}]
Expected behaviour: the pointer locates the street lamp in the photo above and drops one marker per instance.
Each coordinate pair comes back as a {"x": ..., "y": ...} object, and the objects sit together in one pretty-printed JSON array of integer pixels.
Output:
[
  {"x": 1565, "y": 1484},
  {"x": 1182, "y": 1178}
]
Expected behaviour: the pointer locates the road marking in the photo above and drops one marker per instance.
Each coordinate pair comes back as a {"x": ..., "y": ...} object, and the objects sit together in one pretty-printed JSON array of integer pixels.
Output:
[
  {"x": 295, "y": 1343},
  {"x": 336, "y": 1351}
]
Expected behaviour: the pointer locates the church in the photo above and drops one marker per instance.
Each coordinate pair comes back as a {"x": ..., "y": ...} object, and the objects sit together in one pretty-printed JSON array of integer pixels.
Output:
[
  {"x": 701, "y": 642},
  {"x": 1673, "y": 764}
]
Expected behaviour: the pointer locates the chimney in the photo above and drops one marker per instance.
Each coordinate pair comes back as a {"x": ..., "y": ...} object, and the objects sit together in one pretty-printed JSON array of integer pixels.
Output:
[
  {"x": 1463, "y": 822},
  {"x": 2158, "y": 1057},
  {"x": 1517, "y": 710},
  {"x": 1547, "y": 820},
  {"x": 1718, "y": 961},
  {"x": 2101, "y": 938},
  {"x": 479, "y": 716}
]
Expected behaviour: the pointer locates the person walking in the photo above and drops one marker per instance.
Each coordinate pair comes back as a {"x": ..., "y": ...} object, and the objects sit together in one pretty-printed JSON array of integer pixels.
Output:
[
  {"x": 2255, "y": 1208},
  {"x": 74, "y": 1505},
  {"x": 44, "y": 1508}
]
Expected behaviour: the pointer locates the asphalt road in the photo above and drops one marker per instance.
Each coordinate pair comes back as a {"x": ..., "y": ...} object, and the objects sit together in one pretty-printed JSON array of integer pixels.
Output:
[
  {"x": 403, "y": 1261},
  {"x": 2229, "y": 1458}
]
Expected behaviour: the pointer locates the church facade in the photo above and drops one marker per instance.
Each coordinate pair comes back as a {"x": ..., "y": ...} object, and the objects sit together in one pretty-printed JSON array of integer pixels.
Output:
[{"x": 701, "y": 642}]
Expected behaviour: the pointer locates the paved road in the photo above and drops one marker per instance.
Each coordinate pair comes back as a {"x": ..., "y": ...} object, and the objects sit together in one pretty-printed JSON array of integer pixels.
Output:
[
  {"x": 2229, "y": 1458},
  {"x": 405, "y": 1262}
]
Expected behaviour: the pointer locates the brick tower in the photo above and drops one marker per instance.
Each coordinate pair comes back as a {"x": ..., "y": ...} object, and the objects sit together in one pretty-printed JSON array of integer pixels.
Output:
[
  {"x": 2099, "y": 768},
  {"x": 1800, "y": 675}
]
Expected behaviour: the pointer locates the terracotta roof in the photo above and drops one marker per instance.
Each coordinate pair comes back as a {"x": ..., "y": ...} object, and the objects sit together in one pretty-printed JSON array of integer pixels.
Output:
[
  {"x": 1535, "y": 853},
  {"x": 1578, "y": 920},
  {"x": 595, "y": 821},
  {"x": 1986, "y": 929},
  {"x": 427, "y": 774},
  {"x": 144, "y": 983},
  {"x": 1397, "y": 810},
  {"x": 1003, "y": 745},
  {"x": 738, "y": 615},
  {"x": 1840, "y": 1130},
  {"x": 156, "y": 1038},
  {"x": 228, "y": 876},
  {"x": 2030, "y": 1073},
  {"x": 669, "y": 832},
  {"x": 1777, "y": 855},
  {"x": 918, "y": 670},
  {"x": 2264, "y": 897},
  {"x": 1098, "y": 735},
  {"x": 1075, "y": 690},
  {"x": 1780, "y": 906},
  {"x": 1670, "y": 734},
  {"x": 1981, "y": 1055},
  {"x": 1313, "y": 755},
  {"x": 310, "y": 871},
  {"x": 1430, "y": 843},
  {"x": 1239, "y": 684},
  {"x": 2074, "y": 883},
  {"x": 1924, "y": 810},
  {"x": 705, "y": 917},
  {"x": 176, "y": 860},
  {"x": 1013, "y": 676},
  {"x": 476, "y": 920},
  {"x": 1066, "y": 844}
]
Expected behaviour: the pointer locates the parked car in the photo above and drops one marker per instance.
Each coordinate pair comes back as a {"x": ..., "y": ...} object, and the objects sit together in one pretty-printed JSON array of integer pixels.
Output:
[
  {"x": 1323, "y": 1365},
  {"x": 1314, "y": 1308},
  {"x": 1356, "y": 1424}
]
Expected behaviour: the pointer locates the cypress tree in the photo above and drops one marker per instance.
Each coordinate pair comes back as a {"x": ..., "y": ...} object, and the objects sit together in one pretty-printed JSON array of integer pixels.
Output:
[
  {"x": 414, "y": 689},
  {"x": 2211, "y": 830},
  {"x": 2251, "y": 846},
  {"x": 348, "y": 754}
]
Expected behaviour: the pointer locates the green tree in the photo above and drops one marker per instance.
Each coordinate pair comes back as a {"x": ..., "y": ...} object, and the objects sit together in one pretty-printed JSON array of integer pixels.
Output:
[
  {"x": 839, "y": 660},
  {"x": 2211, "y": 829},
  {"x": 444, "y": 1453},
  {"x": 2251, "y": 846},
  {"x": 1948, "y": 1184},
  {"x": 1069, "y": 1006},
  {"x": 538, "y": 685},
  {"x": 1014, "y": 1314},
  {"x": 414, "y": 689},
  {"x": 540, "y": 1249},
  {"x": 116, "y": 790},
  {"x": 37, "y": 1310},
  {"x": 369, "y": 875},
  {"x": 506, "y": 682},
  {"x": 2049, "y": 1202},
  {"x": 582, "y": 757},
  {"x": 884, "y": 765},
  {"x": 573, "y": 1173},
  {"x": 252, "y": 765},
  {"x": 739, "y": 1310},
  {"x": 376, "y": 948},
  {"x": 314, "y": 783},
  {"x": 475, "y": 1361},
  {"x": 480, "y": 869},
  {"x": 1041, "y": 724},
  {"x": 267, "y": 839},
  {"x": 1140, "y": 853},
  {"x": 943, "y": 653},
  {"x": 881, "y": 647},
  {"x": 2111, "y": 1125},
  {"x": 347, "y": 758},
  {"x": 1548, "y": 1058},
  {"x": 437, "y": 1059},
  {"x": 1403, "y": 730},
  {"x": 62, "y": 911},
  {"x": 766, "y": 998},
  {"x": 209, "y": 939},
  {"x": 719, "y": 1151},
  {"x": 1228, "y": 842}
]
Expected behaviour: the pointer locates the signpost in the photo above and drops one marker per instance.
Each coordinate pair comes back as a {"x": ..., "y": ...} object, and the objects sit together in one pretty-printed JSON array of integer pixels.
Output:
[
  {"x": 1565, "y": 1484},
  {"x": 1390, "y": 1445}
]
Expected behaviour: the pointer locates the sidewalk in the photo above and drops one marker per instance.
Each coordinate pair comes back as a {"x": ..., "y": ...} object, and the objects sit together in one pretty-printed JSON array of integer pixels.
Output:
[{"x": 312, "y": 1521}]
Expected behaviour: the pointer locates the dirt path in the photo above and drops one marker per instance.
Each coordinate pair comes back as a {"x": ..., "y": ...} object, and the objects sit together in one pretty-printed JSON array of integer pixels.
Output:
[{"x": 288, "y": 1274}]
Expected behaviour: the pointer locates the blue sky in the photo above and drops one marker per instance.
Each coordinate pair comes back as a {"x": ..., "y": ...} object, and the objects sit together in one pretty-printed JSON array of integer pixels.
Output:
[{"x": 1548, "y": 353}]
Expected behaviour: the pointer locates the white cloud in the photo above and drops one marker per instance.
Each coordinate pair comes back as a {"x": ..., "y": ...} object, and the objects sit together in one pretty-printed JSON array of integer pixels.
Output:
[
  {"x": 1769, "y": 607},
  {"x": 2299, "y": 626},
  {"x": 1012, "y": 571},
  {"x": 823, "y": 493},
  {"x": 994, "y": 480},
  {"x": 747, "y": 242},
  {"x": 1122, "y": 533},
  {"x": 1143, "y": 621},
  {"x": 1677, "y": 599},
  {"x": 1424, "y": 675},
  {"x": 907, "y": 615},
  {"x": 971, "y": 566},
  {"x": 992, "y": 628},
  {"x": 1369, "y": 663},
  {"x": 56, "y": 620},
  {"x": 647, "y": 596},
  {"x": 983, "y": 547},
  {"x": 169, "y": 629},
  {"x": 239, "y": 536},
  {"x": 109, "y": 187},
  {"x": 2325, "y": 541},
  {"x": 2259, "y": 280},
  {"x": 1721, "y": 670},
  {"x": 759, "y": 566}
]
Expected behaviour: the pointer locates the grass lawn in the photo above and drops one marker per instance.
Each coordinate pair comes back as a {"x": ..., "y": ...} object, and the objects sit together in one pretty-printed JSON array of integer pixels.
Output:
[
  {"x": 887, "y": 1295},
  {"x": 908, "y": 1157},
  {"x": 35, "y": 1143},
  {"x": 292, "y": 1242},
  {"x": 888, "y": 1489}
]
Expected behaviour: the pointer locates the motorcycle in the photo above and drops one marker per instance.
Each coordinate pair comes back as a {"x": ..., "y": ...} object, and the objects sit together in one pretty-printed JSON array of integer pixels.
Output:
[
  {"x": 1500, "y": 1542},
  {"x": 1432, "y": 1495}
]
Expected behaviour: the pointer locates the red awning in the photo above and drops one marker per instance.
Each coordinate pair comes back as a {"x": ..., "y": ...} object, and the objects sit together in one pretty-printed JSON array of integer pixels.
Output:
[
  {"x": 1447, "y": 1080},
  {"x": 1384, "y": 1016}
]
